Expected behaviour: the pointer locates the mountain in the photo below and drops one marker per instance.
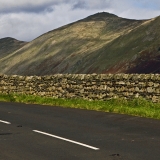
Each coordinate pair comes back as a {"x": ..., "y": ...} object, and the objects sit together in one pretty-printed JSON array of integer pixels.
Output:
[
  {"x": 100, "y": 43},
  {"x": 9, "y": 45}
]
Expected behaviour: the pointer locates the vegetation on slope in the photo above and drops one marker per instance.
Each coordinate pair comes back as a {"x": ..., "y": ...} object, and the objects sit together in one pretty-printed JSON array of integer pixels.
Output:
[
  {"x": 9, "y": 45},
  {"x": 101, "y": 43},
  {"x": 137, "y": 107}
]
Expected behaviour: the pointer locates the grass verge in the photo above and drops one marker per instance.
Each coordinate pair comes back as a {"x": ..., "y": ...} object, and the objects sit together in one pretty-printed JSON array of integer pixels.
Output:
[{"x": 137, "y": 107}]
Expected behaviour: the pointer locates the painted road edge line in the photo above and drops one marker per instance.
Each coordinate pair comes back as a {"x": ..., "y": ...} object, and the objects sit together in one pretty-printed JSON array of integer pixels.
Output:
[
  {"x": 64, "y": 139},
  {"x": 5, "y": 122}
]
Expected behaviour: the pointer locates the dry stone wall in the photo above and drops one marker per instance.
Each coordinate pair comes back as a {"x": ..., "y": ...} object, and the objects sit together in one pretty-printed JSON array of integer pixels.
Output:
[{"x": 86, "y": 86}]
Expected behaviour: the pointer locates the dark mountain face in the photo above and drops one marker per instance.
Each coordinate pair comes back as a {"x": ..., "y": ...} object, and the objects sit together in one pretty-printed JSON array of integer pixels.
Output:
[
  {"x": 149, "y": 62},
  {"x": 101, "y": 43},
  {"x": 9, "y": 45}
]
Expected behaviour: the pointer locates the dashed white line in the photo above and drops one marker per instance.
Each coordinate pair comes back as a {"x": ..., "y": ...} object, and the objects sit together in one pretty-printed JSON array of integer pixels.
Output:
[
  {"x": 64, "y": 139},
  {"x": 5, "y": 122}
]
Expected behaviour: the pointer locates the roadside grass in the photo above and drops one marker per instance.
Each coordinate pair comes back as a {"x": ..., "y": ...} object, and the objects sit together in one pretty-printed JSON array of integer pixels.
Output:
[{"x": 137, "y": 107}]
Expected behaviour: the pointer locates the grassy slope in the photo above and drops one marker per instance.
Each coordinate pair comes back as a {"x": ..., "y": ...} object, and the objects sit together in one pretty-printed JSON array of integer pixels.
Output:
[
  {"x": 9, "y": 45},
  {"x": 102, "y": 43},
  {"x": 67, "y": 47}
]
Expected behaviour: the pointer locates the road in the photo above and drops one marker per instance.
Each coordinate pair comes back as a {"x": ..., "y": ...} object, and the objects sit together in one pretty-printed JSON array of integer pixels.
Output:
[{"x": 35, "y": 132}]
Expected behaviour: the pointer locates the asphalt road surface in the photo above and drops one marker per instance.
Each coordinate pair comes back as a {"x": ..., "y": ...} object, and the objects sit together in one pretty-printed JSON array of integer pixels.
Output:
[{"x": 35, "y": 132}]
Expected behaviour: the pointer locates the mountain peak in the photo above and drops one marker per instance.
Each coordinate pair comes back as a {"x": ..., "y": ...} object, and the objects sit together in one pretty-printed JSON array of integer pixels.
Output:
[
  {"x": 101, "y": 16},
  {"x": 105, "y": 14}
]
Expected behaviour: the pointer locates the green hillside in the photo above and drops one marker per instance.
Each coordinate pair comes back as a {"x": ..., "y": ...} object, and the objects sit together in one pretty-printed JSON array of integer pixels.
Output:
[
  {"x": 9, "y": 45},
  {"x": 101, "y": 43}
]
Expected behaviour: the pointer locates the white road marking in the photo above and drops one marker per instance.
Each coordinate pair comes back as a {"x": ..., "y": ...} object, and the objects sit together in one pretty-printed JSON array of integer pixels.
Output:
[
  {"x": 64, "y": 139},
  {"x": 5, "y": 122}
]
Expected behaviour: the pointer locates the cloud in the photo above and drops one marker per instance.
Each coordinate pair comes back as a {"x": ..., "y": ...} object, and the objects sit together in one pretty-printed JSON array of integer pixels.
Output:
[
  {"x": 28, "y": 19},
  {"x": 139, "y": 9},
  {"x": 147, "y": 4},
  {"x": 10, "y": 6},
  {"x": 92, "y": 4},
  {"x": 79, "y": 4},
  {"x": 42, "y": 5}
]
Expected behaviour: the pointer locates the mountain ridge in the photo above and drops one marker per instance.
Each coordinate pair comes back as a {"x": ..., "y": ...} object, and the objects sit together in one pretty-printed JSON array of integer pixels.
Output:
[{"x": 100, "y": 43}]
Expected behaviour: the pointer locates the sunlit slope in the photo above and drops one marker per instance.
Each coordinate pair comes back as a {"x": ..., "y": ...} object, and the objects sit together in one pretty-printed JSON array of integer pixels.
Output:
[{"x": 101, "y": 43}]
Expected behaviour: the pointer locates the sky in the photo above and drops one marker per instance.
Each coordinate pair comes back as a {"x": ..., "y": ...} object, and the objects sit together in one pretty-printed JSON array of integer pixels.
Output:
[{"x": 27, "y": 19}]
